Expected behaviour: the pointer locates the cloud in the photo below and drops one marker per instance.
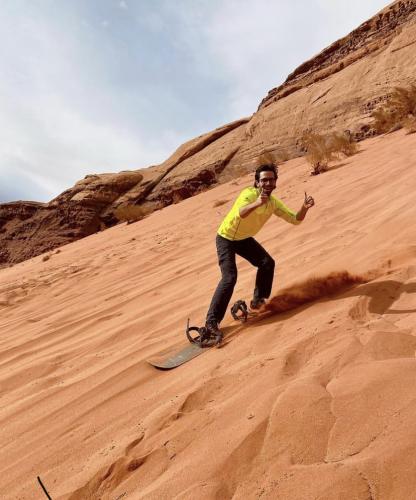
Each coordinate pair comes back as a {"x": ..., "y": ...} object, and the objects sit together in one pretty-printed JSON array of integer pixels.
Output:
[
  {"x": 58, "y": 143},
  {"x": 254, "y": 46},
  {"x": 77, "y": 98},
  {"x": 16, "y": 184},
  {"x": 62, "y": 114}
]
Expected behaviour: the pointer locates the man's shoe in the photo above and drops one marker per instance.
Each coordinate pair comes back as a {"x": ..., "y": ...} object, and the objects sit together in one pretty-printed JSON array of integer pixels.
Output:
[
  {"x": 256, "y": 304},
  {"x": 213, "y": 332}
]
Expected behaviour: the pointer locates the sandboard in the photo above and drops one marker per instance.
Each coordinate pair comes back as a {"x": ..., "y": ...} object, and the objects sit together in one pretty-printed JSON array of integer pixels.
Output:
[
  {"x": 177, "y": 356},
  {"x": 166, "y": 360}
]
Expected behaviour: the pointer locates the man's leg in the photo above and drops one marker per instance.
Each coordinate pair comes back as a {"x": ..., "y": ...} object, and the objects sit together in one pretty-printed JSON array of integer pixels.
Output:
[
  {"x": 225, "y": 288},
  {"x": 252, "y": 251}
]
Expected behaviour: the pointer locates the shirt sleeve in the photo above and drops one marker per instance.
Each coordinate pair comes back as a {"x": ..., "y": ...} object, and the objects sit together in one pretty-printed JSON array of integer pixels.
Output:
[
  {"x": 246, "y": 197},
  {"x": 284, "y": 212}
]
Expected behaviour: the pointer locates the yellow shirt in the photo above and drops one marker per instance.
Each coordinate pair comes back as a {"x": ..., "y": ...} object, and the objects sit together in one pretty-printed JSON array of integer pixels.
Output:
[{"x": 233, "y": 227}]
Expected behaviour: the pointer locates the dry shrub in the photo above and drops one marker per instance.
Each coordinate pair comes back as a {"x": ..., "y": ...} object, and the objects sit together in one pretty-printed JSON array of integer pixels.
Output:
[
  {"x": 319, "y": 154},
  {"x": 342, "y": 143},
  {"x": 322, "y": 149},
  {"x": 384, "y": 120},
  {"x": 129, "y": 213},
  {"x": 46, "y": 257},
  {"x": 398, "y": 111}
]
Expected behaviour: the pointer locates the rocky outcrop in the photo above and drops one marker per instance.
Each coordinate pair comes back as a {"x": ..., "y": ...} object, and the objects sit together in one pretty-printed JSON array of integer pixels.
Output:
[
  {"x": 335, "y": 91},
  {"x": 368, "y": 38},
  {"x": 28, "y": 229}
]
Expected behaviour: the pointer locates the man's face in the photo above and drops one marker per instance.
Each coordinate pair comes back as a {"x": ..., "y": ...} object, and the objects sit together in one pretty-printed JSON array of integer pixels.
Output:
[{"x": 267, "y": 182}]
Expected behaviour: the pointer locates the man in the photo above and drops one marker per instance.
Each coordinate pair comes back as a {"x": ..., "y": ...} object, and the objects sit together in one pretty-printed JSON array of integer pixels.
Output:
[{"x": 252, "y": 209}]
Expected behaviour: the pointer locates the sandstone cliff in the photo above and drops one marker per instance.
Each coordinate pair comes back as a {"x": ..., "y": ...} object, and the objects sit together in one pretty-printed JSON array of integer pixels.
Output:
[{"x": 336, "y": 90}]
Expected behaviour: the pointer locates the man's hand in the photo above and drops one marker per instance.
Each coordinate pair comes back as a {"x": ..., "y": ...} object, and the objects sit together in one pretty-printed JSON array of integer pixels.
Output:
[
  {"x": 262, "y": 199},
  {"x": 308, "y": 202},
  {"x": 247, "y": 209}
]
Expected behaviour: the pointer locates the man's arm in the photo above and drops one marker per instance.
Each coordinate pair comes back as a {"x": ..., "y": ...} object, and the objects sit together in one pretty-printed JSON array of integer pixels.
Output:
[
  {"x": 247, "y": 209},
  {"x": 306, "y": 205}
]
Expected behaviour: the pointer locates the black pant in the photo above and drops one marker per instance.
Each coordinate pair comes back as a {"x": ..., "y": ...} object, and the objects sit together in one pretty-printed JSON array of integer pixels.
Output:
[{"x": 250, "y": 250}]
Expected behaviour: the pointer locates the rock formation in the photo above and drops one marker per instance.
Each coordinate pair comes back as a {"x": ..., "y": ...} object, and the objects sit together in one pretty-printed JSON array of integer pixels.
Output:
[
  {"x": 337, "y": 90},
  {"x": 29, "y": 228}
]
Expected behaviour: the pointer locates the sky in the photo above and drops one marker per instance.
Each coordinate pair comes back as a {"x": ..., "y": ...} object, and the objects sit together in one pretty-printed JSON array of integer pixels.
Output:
[{"x": 93, "y": 86}]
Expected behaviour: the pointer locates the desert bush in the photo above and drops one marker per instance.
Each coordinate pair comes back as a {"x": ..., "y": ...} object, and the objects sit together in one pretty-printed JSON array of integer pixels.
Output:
[
  {"x": 398, "y": 111},
  {"x": 404, "y": 100},
  {"x": 342, "y": 143},
  {"x": 322, "y": 149},
  {"x": 319, "y": 154},
  {"x": 129, "y": 213},
  {"x": 385, "y": 120},
  {"x": 46, "y": 257}
]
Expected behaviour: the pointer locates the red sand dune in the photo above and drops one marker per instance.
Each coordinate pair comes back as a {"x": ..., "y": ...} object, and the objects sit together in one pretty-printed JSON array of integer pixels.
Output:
[{"x": 316, "y": 401}]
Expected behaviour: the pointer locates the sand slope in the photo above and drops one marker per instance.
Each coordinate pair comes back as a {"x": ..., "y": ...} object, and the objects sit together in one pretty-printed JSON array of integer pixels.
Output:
[{"x": 316, "y": 402}]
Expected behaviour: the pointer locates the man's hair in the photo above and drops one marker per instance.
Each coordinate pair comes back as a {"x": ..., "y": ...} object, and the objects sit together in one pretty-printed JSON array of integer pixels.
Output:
[{"x": 267, "y": 167}]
